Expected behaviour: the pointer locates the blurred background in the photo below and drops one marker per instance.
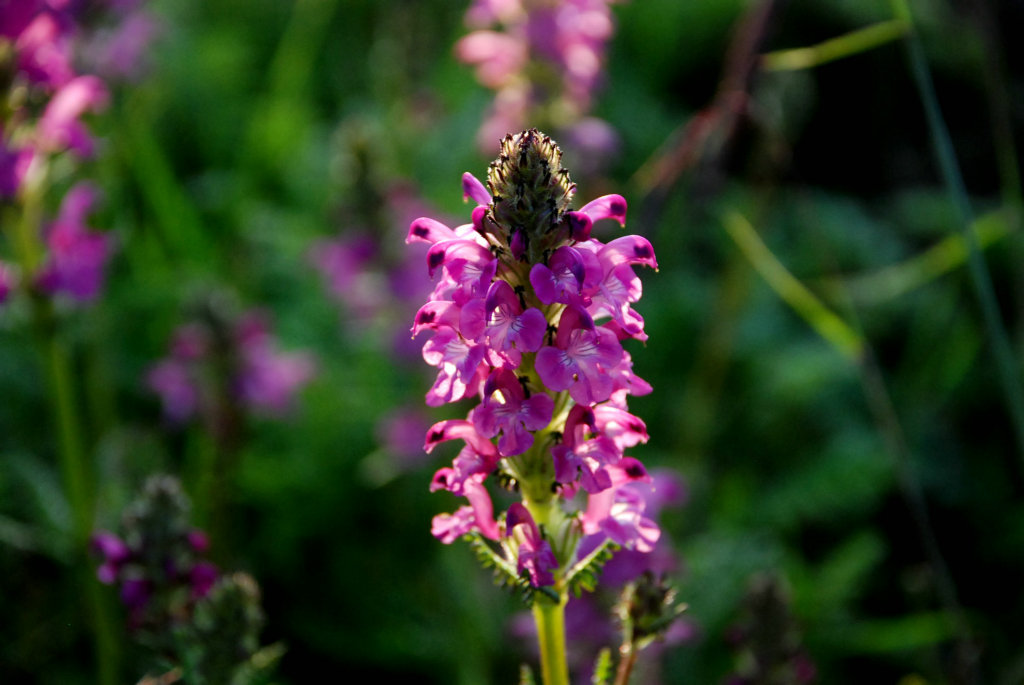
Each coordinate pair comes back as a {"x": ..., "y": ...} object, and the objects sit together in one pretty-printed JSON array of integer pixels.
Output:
[{"x": 831, "y": 384}]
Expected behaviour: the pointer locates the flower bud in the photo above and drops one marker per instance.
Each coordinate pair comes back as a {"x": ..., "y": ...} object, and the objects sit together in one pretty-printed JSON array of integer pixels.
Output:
[{"x": 532, "y": 192}]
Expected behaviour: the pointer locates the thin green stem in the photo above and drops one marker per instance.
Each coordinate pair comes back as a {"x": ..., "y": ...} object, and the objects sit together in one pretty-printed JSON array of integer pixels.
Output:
[
  {"x": 550, "y": 619},
  {"x": 80, "y": 491},
  {"x": 78, "y": 481},
  {"x": 847, "y": 45},
  {"x": 72, "y": 458},
  {"x": 826, "y": 322},
  {"x": 1009, "y": 375}
]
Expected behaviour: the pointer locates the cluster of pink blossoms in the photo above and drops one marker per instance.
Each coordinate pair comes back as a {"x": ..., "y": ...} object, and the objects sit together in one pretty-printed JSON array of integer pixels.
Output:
[
  {"x": 158, "y": 562},
  {"x": 217, "y": 365},
  {"x": 46, "y": 94},
  {"x": 528, "y": 315},
  {"x": 544, "y": 59}
]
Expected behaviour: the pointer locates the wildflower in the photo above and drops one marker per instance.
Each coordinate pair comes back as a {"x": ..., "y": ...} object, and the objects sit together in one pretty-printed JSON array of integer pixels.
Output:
[
  {"x": 220, "y": 363},
  {"x": 157, "y": 560},
  {"x": 528, "y": 315},
  {"x": 77, "y": 254},
  {"x": 544, "y": 60}
]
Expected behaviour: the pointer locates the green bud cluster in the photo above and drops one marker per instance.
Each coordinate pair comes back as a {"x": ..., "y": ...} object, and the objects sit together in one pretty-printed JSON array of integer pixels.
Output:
[{"x": 531, "y": 191}]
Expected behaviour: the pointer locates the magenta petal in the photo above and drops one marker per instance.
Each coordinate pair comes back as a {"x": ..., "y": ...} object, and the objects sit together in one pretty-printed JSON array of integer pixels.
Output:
[
  {"x": 530, "y": 330},
  {"x": 483, "y": 509},
  {"x": 472, "y": 319},
  {"x": 606, "y": 207},
  {"x": 580, "y": 225},
  {"x": 450, "y": 527},
  {"x": 538, "y": 411},
  {"x": 435, "y": 315},
  {"x": 632, "y": 249},
  {"x": 58, "y": 127},
  {"x": 543, "y": 282},
  {"x": 429, "y": 230},
  {"x": 554, "y": 368},
  {"x": 473, "y": 189}
]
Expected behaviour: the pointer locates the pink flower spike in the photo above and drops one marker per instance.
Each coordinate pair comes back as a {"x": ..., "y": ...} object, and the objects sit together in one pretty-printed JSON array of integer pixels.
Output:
[
  {"x": 473, "y": 189},
  {"x": 269, "y": 379},
  {"x": 497, "y": 57},
  {"x": 78, "y": 255},
  {"x": 606, "y": 207},
  {"x": 172, "y": 381},
  {"x": 43, "y": 48}
]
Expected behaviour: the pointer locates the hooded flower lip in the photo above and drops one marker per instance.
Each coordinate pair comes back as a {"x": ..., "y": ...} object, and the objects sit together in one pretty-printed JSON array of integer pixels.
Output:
[{"x": 473, "y": 189}]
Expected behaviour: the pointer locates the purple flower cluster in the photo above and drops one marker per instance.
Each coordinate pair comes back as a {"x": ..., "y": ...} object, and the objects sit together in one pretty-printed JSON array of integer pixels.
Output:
[
  {"x": 214, "y": 362},
  {"x": 528, "y": 315},
  {"x": 544, "y": 60},
  {"x": 158, "y": 562},
  {"x": 48, "y": 96}
]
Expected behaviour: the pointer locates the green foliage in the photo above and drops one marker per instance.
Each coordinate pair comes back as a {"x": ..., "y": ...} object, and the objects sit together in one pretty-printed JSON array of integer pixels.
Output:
[{"x": 603, "y": 668}]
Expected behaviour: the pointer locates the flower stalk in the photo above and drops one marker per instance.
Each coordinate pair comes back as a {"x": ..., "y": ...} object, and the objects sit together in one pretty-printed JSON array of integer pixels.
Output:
[{"x": 550, "y": 619}]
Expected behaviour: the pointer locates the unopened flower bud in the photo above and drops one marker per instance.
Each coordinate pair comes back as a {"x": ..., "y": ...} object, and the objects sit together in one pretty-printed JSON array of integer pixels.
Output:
[{"x": 532, "y": 192}]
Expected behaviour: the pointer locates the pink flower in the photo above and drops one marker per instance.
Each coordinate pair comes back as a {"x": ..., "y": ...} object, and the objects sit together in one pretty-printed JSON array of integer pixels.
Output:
[
  {"x": 506, "y": 409},
  {"x": 580, "y": 358},
  {"x": 268, "y": 379},
  {"x": 512, "y": 327},
  {"x": 77, "y": 255},
  {"x": 59, "y": 128}
]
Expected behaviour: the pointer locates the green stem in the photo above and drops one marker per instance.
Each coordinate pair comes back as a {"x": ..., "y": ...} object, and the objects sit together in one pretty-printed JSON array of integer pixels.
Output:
[
  {"x": 75, "y": 474},
  {"x": 72, "y": 458},
  {"x": 80, "y": 492},
  {"x": 1009, "y": 375},
  {"x": 550, "y": 619}
]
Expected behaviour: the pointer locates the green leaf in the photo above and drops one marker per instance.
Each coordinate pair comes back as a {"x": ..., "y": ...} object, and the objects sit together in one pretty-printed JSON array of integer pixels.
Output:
[
  {"x": 584, "y": 574},
  {"x": 602, "y": 668}
]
